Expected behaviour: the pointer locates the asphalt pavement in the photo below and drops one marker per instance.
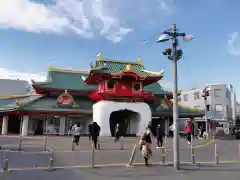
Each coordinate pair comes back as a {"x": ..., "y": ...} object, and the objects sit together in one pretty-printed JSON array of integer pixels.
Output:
[
  {"x": 110, "y": 160},
  {"x": 213, "y": 172}
]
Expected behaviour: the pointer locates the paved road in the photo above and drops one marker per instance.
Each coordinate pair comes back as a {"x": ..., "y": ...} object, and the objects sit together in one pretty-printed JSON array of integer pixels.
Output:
[
  {"x": 216, "y": 172},
  {"x": 111, "y": 154}
]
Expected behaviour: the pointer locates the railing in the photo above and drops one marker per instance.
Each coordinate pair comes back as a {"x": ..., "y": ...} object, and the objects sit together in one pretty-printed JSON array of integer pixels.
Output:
[{"x": 51, "y": 154}]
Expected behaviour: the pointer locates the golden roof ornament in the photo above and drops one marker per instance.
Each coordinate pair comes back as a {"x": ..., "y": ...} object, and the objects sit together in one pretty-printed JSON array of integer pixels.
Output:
[
  {"x": 128, "y": 67},
  {"x": 99, "y": 56},
  {"x": 139, "y": 60},
  {"x": 51, "y": 68}
]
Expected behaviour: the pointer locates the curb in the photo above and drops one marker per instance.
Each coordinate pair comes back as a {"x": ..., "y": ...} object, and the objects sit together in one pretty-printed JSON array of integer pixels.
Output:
[{"x": 116, "y": 165}]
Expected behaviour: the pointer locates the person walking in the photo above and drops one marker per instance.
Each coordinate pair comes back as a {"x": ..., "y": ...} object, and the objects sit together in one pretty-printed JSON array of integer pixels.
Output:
[
  {"x": 149, "y": 126},
  {"x": 89, "y": 131},
  {"x": 188, "y": 131},
  {"x": 159, "y": 136},
  {"x": 70, "y": 128},
  {"x": 117, "y": 132},
  {"x": 95, "y": 133},
  {"x": 145, "y": 145},
  {"x": 192, "y": 127},
  {"x": 77, "y": 133}
]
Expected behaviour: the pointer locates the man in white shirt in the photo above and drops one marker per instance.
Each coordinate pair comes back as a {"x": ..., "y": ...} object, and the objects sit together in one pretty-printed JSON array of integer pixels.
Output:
[{"x": 76, "y": 133}]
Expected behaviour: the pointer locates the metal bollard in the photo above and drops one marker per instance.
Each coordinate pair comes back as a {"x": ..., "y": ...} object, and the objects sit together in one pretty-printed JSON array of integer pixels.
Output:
[
  {"x": 52, "y": 152},
  {"x": 163, "y": 155},
  {"x": 45, "y": 143},
  {"x": 121, "y": 143},
  {"x": 192, "y": 155},
  {"x": 192, "y": 152},
  {"x": 93, "y": 156},
  {"x": 51, "y": 160},
  {"x": 98, "y": 144},
  {"x": 165, "y": 141},
  {"x": 51, "y": 164},
  {"x": 216, "y": 156},
  {"x": 5, "y": 164},
  {"x": 239, "y": 150},
  {"x": 20, "y": 143},
  {"x": 1, "y": 157},
  {"x": 213, "y": 136},
  {"x": 73, "y": 146},
  {"x": 132, "y": 155}
]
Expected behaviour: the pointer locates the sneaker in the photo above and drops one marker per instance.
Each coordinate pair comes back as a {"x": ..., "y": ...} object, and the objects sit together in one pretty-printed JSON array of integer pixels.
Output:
[
  {"x": 157, "y": 147},
  {"x": 189, "y": 142}
]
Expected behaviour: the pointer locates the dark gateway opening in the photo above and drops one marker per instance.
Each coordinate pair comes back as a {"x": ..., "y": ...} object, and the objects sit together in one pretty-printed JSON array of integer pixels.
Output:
[
  {"x": 14, "y": 124},
  {"x": 127, "y": 121},
  {"x": 38, "y": 127}
]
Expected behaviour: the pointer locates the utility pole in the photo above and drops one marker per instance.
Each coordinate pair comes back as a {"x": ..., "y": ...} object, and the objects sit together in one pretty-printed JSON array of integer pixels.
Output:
[
  {"x": 176, "y": 157},
  {"x": 174, "y": 55}
]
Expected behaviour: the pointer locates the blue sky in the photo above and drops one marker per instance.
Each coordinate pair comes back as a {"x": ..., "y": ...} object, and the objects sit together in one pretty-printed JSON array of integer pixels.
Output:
[{"x": 35, "y": 34}]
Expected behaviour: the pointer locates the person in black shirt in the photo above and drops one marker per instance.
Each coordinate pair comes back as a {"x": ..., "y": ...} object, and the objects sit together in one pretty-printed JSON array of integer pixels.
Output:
[
  {"x": 89, "y": 131},
  {"x": 159, "y": 136},
  {"x": 149, "y": 126},
  {"x": 95, "y": 133},
  {"x": 117, "y": 132}
]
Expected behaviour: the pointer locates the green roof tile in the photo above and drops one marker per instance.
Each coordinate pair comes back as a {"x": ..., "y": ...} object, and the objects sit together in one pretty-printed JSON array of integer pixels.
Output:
[
  {"x": 67, "y": 80},
  {"x": 11, "y": 103},
  {"x": 113, "y": 67},
  {"x": 156, "y": 88},
  {"x": 51, "y": 102},
  {"x": 63, "y": 80}
]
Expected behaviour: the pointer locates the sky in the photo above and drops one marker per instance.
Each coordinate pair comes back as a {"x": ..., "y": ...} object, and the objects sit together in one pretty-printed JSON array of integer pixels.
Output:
[{"x": 36, "y": 34}]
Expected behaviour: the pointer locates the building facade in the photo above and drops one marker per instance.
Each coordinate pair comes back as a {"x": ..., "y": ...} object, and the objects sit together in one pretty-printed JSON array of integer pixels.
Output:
[
  {"x": 220, "y": 104},
  {"x": 111, "y": 92},
  {"x": 237, "y": 114}
]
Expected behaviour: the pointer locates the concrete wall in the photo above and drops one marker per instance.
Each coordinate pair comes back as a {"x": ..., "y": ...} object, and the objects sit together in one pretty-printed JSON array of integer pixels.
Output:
[{"x": 102, "y": 111}]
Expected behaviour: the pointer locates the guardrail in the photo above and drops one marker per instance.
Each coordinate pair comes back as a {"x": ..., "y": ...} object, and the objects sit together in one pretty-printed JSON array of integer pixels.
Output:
[{"x": 51, "y": 159}]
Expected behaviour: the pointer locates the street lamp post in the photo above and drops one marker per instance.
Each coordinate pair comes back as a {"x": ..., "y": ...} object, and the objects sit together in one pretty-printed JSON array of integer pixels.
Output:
[{"x": 174, "y": 55}]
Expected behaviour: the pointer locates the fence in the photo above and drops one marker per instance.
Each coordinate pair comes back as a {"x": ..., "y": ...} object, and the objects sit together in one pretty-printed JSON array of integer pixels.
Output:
[
  {"x": 30, "y": 144},
  {"x": 125, "y": 152}
]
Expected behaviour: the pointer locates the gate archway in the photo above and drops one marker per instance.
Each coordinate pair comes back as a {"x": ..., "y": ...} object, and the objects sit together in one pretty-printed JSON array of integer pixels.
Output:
[{"x": 128, "y": 122}]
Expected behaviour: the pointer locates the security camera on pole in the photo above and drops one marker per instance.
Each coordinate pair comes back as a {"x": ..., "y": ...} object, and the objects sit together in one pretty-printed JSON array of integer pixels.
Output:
[
  {"x": 174, "y": 55},
  {"x": 206, "y": 93}
]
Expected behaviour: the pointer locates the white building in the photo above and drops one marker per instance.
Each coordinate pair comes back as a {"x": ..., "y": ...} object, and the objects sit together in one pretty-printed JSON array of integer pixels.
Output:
[
  {"x": 221, "y": 103},
  {"x": 237, "y": 113}
]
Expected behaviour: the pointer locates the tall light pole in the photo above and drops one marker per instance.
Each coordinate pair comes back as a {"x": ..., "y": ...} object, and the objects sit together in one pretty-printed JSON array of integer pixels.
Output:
[{"x": 174, "y": 55}]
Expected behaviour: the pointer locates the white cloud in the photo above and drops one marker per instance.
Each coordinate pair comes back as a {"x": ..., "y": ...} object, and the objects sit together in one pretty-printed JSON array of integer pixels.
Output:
[
  {"x": 82, "y": 17},
  {"x": 234, "y": 44},
  {"x": 79, "y": 16},
  {"x": 10, "y": 74}
]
